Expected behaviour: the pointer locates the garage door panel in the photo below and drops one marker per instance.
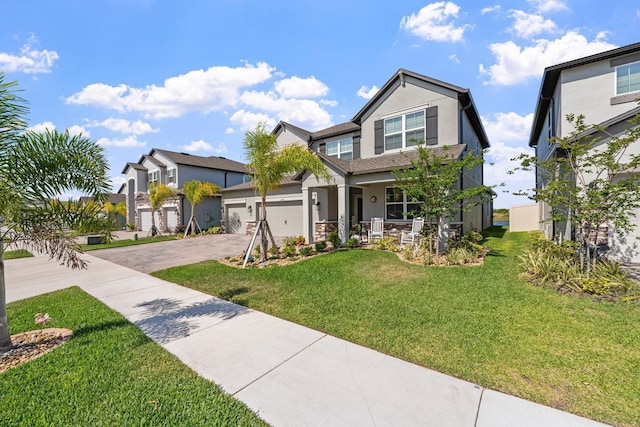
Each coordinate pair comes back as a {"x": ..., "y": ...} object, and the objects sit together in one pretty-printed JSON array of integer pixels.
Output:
[
  {"x": 285, "y": 218},
  {"x": 237, "y": 216}
]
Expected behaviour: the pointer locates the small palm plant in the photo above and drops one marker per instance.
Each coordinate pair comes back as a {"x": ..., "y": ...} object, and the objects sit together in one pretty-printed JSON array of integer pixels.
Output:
[
  {"x": 157, "y": 195},
  {"x": 195, "y": 191}
]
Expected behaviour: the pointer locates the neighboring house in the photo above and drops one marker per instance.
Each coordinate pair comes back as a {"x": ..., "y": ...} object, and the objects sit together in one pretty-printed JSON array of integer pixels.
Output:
[
  {"x": 174, "y": 169},
  {"x": 361, "y": 155},
  {"x": 604, "y": 88}
]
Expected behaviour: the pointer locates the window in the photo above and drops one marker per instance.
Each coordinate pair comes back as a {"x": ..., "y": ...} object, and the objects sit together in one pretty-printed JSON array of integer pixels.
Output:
[
  {"x": 171, "y": 176},
  {"x": 628, "y": 78},
  {"x": 397, "y": 207},
  {"x": 342, "y": 149},
  {"x": 404, "y": 131},
  {"x": 152, "y": 176}
]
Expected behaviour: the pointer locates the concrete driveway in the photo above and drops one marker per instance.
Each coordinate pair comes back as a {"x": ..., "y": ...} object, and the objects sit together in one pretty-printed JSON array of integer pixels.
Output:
[{"x": 157, "y": 256}]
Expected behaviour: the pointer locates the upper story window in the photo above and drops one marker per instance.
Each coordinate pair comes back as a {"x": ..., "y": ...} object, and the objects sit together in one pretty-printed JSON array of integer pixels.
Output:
[
  {"x": 397, "y": 205},
  {"x": 404, "y": 131},
  {"x": 342, "y": 149},
  {"x": 628, "y": 78},
  {"x": 152, "y": 177},
  {"x": 171, "y": 176}
]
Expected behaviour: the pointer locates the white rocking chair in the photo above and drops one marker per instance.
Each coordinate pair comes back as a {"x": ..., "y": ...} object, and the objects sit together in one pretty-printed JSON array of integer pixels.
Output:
[
  {"x": 377, "y": 229},
  {"x": 412, "y": 236}
]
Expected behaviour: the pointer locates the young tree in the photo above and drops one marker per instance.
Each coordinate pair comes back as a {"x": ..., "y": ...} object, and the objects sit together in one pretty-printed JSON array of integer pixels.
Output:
[
  {"x": 157, "y": 195},
  {"x": 432, "y": 181},
  {"x": 195, "y": 191},
  {"x": 270, "y": 165},
  {"x": 589, "y": 182},
  {"x": 35, "y": 168}
]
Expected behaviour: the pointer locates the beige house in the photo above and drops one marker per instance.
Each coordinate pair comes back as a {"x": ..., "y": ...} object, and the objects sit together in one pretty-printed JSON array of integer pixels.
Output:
[
  {"x": 605, "y": 88},
  {"x": 361, "y": 155}
]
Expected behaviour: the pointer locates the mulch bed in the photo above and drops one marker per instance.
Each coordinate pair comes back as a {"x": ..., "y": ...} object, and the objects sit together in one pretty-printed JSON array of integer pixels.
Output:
[{"x": 31, "y": 345}]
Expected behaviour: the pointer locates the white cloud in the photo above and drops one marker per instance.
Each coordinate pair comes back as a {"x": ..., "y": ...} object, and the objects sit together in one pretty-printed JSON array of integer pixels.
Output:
[
  {"x": 29, "y": 60},
  {"x": 198, "y": 90},
  {"x": 201, "y": 145},
  {"x": 247, "y": 120},
  {"x": 453, "y": 57},
  {"x": 328, "y": 102},
  {"x": 509, "y": 136},
  {"x": 77, "y": 130},
  {"x": 116, "y": 182},
  {"x": 125, "y": 126},
  {"x": 366, "y": 92},
  {"x": 435, "y": 22},
  {"x": 229, "y": 131},
  {"x": 489, "y": 9},
  {"x": 517, "y": 64},
  {"x": 296, "y": 87},
  {"x": 130, "y": 141},
  {"x": 549, "y": 5},
  {"x": 305, "y": 113},
  {"x": 528, "y": 25},
  {"x": 43, "y": 127}
]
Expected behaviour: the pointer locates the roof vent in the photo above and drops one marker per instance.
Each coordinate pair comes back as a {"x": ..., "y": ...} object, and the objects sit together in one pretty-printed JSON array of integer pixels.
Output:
[
  {"x": 220, "y": 157},
  {"x": 186, "y": 154}
]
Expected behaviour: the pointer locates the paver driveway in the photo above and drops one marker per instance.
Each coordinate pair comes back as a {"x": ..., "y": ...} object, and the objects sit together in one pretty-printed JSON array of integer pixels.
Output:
[{"x": 157, "y": 256}]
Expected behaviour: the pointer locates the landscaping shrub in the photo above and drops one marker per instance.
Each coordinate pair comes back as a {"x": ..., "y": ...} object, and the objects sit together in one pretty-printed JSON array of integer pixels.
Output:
[
  {"x": 386, "y": 244},
  {"x": 273, "y": 250},
  {"x": 214, "y": 230},
  {"x": 321, "y": 246},
  {"x": 305, "y": 251},
  {"x": 352, "y": 243},
  {"x": 289, "y": 241},
  {"x": 289, "y": 251},
  {"x": 461, "y": 256},
  {"x": 335, "y": 240},
  {"x": 300, "y": 241}
]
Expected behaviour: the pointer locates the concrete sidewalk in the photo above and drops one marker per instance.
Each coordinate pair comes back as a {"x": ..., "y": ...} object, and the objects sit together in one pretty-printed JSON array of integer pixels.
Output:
[{"x": 289, "y": 374}]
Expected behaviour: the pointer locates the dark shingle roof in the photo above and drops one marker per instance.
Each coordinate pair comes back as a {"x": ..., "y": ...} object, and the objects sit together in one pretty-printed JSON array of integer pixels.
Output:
[
  {"x": 550, "y": 81},
  {"x": 132, "y": 165},
  {"x": 113, "y": 198},
  {"x": 212, "y": 162},
  {"x": 305, "y": 133},
  {"x": 336, "y": 130},
  {"x": 291, "y": 180},
  {"x": 389, "y": 162}
]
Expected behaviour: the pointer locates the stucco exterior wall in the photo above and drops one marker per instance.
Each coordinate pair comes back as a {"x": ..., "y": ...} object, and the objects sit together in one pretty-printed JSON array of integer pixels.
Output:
[{"x": 412, "y": 96}]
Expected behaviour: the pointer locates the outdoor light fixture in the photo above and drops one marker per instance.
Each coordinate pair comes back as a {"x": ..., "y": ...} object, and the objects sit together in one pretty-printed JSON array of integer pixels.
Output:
[
  {"x": 249, "y": 209},
  {"x": 373, "y": 199}
]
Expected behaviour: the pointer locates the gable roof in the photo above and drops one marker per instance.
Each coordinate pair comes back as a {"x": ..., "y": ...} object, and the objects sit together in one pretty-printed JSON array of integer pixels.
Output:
[
  {"x": 303, "y": 132},
  {"x": 550, "y": 81},
  {"x": 336, "y": 130},
  {"x": 136, "y": 166},
  {"x": 464, "y": 97},
  {"x": 211, "y": 162}
]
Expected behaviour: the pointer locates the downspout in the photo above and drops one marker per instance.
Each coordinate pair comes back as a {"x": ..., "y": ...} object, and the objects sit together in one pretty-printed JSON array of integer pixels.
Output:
[{"x": 461, "y": 141}]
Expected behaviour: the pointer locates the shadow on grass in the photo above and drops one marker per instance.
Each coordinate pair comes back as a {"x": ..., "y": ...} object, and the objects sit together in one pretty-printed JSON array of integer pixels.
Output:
[
  {"x": 496, "y": 231},
  {"x": 165, "y": 320},
  {"x": 87, "y": 330},
  {"x": 230, "y": 293}
]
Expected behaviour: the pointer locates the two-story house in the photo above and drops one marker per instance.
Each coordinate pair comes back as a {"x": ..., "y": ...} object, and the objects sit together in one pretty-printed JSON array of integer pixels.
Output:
[
  {"x": 174, "y": 169},
  {"x": 361, "y": 155},
  {"x": 605, "y": 89}
]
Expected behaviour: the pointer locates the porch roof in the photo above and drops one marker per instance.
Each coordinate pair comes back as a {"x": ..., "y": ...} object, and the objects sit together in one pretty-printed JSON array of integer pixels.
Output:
[
  {"x": 290, "y": 180},
  {"x": 387, "y": 163}
]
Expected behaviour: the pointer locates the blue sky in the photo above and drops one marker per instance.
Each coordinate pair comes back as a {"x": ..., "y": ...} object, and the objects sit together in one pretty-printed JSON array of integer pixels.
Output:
[{"x": 194, "y": 76}]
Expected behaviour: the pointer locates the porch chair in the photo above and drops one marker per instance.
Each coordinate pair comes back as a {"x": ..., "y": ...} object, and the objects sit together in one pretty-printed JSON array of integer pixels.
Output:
[
  {"x": 376, "y": 230},
  {"x": 412, "y": 236}
]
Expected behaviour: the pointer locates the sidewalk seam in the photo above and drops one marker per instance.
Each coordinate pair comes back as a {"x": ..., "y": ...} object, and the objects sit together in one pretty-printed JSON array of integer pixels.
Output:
[
  {"x": 279, "y": 364},
  {"x": 475, "y": 423}
]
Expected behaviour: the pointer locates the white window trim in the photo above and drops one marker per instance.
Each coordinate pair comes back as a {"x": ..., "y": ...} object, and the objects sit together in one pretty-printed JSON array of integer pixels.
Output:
[
  {"x": 175, "y": 173},
  {"x": 404, "y": 204},
  {"x": 404, "y": 114},
  {"x": 150, "y": 174},
  {"x": 615, "y": 79},
  {"x": 340, "y": 152}
]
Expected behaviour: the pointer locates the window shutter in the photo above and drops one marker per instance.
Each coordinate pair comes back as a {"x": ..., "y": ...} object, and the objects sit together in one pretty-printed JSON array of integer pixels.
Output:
[
  {"x": 356, "y": 147},
  {"x": 432, "y": 126},
  {"x": 322, "y": 148},
  {"x": 378, "y": 131}
]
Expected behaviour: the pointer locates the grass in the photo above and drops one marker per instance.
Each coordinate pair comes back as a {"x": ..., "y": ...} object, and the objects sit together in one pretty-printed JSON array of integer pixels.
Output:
[
  {"x": 127, "y": 242},
  {"x": 18, "y": 253},
  {"x": 109, "y": 373},
  {"x": 482, "y": 324}
]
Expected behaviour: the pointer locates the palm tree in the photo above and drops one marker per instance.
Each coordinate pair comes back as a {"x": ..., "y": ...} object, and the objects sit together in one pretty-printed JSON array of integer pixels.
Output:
[
  {"x": 195, "y": 191},
  {"x": 157, "y": 195},
  {"x": 115, "y": 210},
  {"x": 270, "y": 165},
  {"x": 35, "y": 168}
]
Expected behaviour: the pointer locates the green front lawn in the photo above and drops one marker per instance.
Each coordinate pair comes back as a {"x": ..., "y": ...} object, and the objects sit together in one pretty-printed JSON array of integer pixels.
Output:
[
  {"x": 108, "y": 374},
  {"x": 18, "y": 253},
  {"x": 482, "y": 324}
]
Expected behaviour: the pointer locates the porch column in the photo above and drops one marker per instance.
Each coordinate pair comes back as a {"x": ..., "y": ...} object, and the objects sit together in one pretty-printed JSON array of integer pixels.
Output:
[
  {"x": 343, "y": 212},
  {"x": 307, "y": 215}
]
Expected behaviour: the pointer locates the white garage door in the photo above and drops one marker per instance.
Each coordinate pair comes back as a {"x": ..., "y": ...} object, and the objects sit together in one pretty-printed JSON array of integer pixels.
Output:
[
  {"x": 285, "y": 218},
  {"x": 145, "y": 219},
  {"x": 235, "y": 218},
  {"x": 172, "y": 218}
]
